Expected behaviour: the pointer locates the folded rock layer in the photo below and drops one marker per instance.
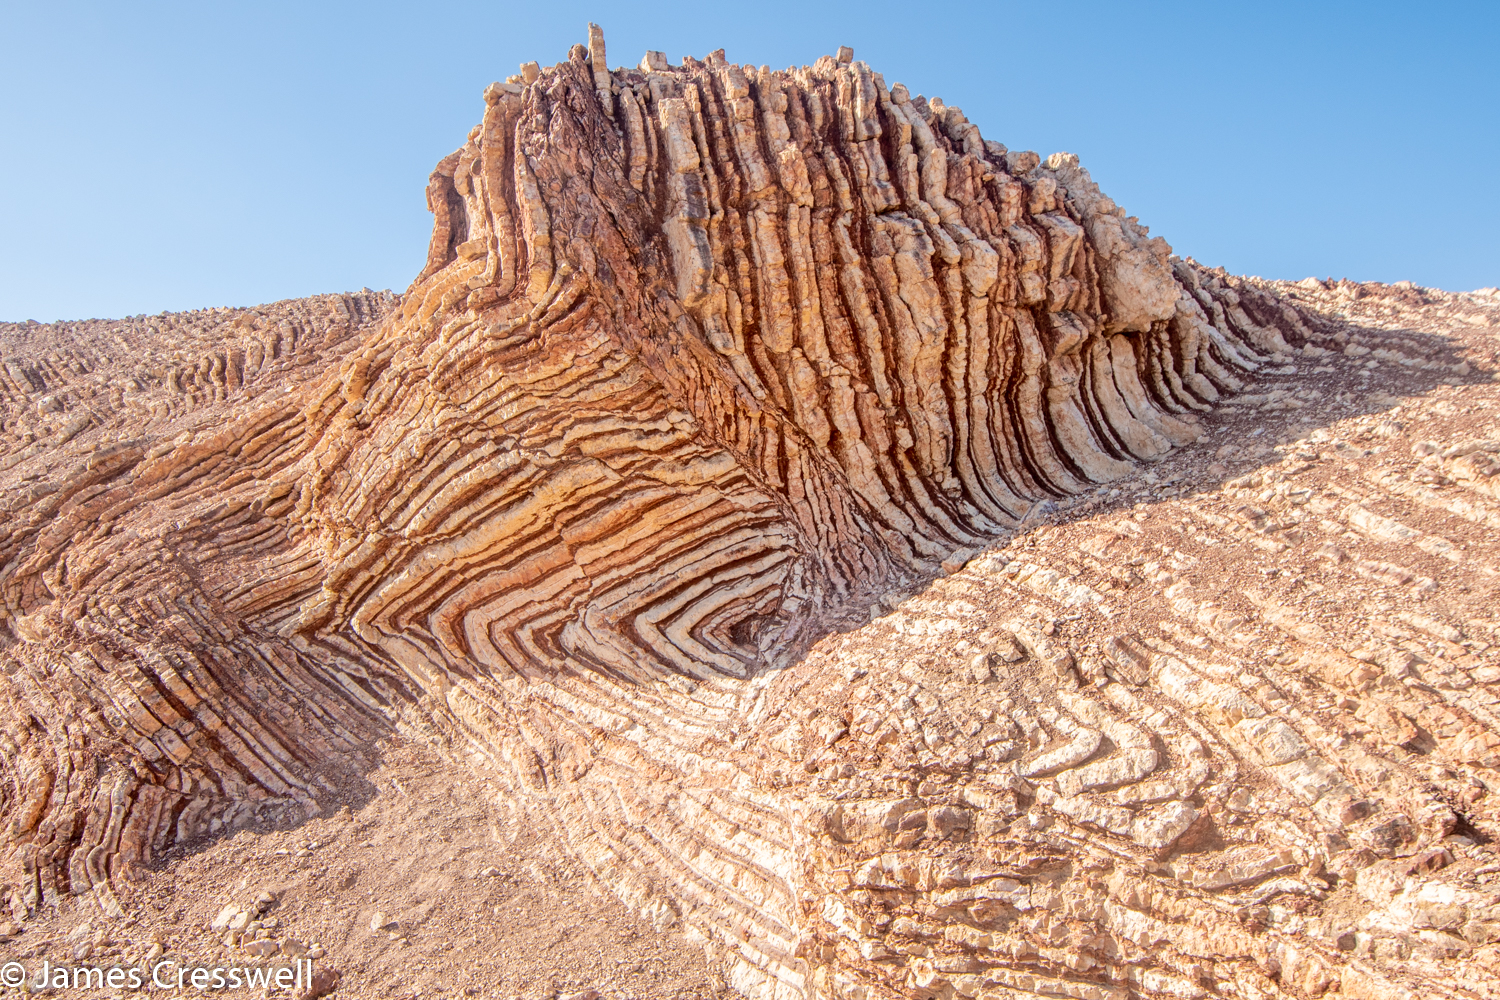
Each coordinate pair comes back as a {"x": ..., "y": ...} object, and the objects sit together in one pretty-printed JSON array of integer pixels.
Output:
[{"x": 704, "y": 361}]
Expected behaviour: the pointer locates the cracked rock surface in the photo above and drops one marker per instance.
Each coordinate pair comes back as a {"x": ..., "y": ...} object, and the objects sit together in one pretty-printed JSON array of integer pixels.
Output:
[{"x": 862, "y": 547}]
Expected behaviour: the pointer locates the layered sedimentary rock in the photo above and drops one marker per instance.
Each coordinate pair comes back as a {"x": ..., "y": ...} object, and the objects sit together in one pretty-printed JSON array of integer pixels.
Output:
[{"x": 706, "y": 363}]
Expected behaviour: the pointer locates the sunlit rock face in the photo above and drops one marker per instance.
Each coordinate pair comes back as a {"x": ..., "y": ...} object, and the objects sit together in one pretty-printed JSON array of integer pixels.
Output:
[{"x": 708, "y": 366}]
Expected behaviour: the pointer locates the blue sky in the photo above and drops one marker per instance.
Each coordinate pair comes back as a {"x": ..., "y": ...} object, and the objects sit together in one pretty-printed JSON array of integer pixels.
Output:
[{"x": 164, "y": 156}]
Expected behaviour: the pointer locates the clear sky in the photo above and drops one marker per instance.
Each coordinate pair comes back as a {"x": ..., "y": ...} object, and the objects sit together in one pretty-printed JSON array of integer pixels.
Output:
[{"x": 164, "y": 156}]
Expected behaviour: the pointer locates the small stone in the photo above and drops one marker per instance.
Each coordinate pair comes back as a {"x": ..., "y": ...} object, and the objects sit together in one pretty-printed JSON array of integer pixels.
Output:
[
  {"x": 1020, "y": 162},
  {"x": 1007, "y": 649},
  {"x": 1241, "y": 800},
  {"x": 263, "y": 947},
  {"x": 293, "y": 948},
  {"x": 1162, "y": 825},
  {"x": 1431, "y": 861},
  {"x": 227, "y": 914},
  {"x": 324, "y": 982},
  {"x": 958, "y": 559},
  {"x": 379, "y": 921}
]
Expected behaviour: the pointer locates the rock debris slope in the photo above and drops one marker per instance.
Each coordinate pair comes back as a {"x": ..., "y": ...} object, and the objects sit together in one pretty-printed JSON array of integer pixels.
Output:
[{"x": 709, "y": 362}]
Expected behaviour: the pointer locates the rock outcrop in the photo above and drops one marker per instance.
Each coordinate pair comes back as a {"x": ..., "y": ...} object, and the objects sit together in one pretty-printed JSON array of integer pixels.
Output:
[{"x": 707, "y": 364}]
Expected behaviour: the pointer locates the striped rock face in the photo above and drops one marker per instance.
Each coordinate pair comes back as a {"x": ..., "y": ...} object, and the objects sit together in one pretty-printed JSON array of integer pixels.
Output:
[{"x": 706, "y": 365}]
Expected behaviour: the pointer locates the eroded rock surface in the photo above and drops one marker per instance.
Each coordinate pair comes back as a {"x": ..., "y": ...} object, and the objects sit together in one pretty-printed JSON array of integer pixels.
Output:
[{"x": 636, "y": 495}]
